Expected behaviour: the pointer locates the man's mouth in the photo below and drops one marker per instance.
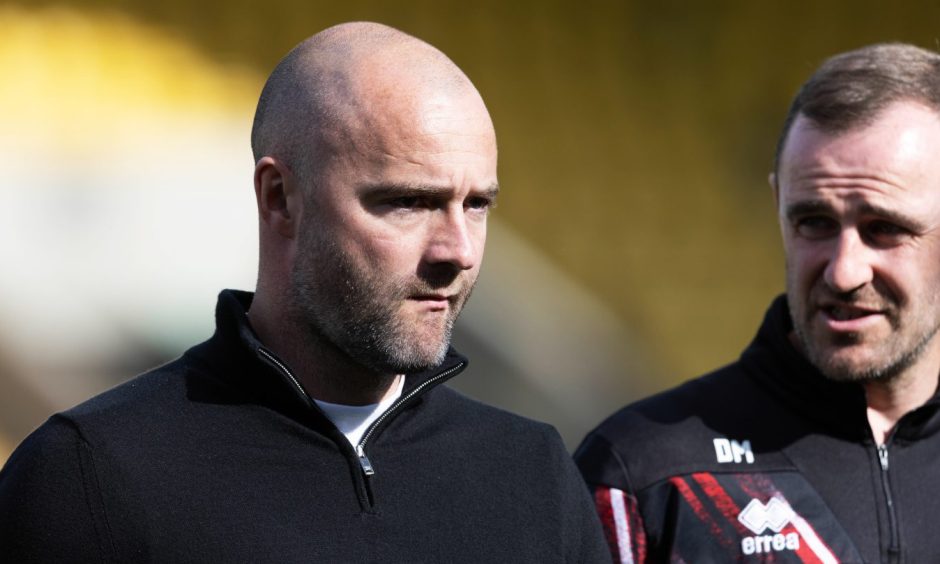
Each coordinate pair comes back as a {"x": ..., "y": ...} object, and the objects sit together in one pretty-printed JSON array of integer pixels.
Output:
[
  {"x": 431, "y": 297},
  {"x": 840, "y": 317},
  {"x": 846, "y": 313},
  {"x": 434, "y": 301}
]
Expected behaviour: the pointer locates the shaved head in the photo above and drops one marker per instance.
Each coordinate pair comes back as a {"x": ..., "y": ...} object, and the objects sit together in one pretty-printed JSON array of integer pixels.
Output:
[
  {"x": 375, "y": 168},
  {"x": 328, "y": 92}
]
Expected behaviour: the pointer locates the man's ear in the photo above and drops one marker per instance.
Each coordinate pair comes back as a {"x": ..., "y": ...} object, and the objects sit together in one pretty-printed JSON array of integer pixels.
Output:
[
  {"x": 772, "y": 179},
  {"x": 278, "y": 197}
]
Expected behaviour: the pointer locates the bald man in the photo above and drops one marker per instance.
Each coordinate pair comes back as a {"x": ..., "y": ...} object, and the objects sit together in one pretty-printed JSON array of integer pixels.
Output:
[{"x": 314, "y": 425}]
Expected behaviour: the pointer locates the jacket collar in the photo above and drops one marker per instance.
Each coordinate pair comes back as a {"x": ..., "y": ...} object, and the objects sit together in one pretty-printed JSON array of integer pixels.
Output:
[
  {"x": 237, "y": 355},
  {"x": 776, "y": 364}
]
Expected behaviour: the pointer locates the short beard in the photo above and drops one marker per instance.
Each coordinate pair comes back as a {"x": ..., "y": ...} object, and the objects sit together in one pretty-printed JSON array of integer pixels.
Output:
[
  {"x": 840, "y": 372},
  {"x": 357, "y": 311},
  {"x": 372, "y": 335},
  {"x": 896, "y": 363}
]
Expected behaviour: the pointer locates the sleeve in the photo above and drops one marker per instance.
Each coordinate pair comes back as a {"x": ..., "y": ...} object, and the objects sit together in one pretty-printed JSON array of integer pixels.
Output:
[
  {"x": 614, "y": 500},
  {"x": 50, "y": 504},
  {"x": 581, "y": 536}
]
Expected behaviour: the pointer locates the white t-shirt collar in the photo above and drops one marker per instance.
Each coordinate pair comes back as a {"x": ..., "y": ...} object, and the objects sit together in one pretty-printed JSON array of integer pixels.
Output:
[{"x": 353, "y": 420}]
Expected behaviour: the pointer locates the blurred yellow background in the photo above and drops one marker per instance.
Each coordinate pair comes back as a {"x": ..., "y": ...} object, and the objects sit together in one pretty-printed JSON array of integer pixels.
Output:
[{"x": 634, "y": 245}]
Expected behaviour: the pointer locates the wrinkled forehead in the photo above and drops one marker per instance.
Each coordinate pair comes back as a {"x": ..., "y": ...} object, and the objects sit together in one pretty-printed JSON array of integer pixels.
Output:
[{"x": 899, "y": 145}]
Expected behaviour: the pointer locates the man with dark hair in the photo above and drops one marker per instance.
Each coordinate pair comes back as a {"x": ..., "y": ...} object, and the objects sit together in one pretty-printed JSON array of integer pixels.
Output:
[
  {"x": 314, "y": 426},
  {"x": 821, "y": 443}
]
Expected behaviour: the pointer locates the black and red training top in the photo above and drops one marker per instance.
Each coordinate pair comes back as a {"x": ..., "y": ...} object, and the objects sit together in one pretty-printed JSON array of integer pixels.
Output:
[{"x": 765, "y": 460}]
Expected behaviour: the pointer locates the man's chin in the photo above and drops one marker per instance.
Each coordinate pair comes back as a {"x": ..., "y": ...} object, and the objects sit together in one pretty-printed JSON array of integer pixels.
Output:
[
  {"x": 417, "y": 353},
  {"x": 414, "y": 364},
  {"x": 849, "y": 364}
]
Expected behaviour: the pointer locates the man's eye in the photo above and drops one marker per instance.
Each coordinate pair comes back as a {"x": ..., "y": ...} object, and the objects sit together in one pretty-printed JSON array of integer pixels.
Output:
[
  {"x": 480, "y": 203},
  {"x": 816, "y": 227},
  {"x": 406, "y": 202},
  {"x": 885, "y": 232}
]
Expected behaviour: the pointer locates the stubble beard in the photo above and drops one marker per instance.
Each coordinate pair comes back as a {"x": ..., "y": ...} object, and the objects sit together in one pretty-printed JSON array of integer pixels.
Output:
[
  {"x": 898, "y": 351},
  {"x": 359, "y": 312}
]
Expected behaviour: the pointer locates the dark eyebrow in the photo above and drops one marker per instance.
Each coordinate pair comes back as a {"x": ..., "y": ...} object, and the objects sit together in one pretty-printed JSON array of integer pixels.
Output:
[
  {"x": 894, "y": 216},
  {"x": 808, "y": 207},
  {"x": 410, "y": 190},
  {"x": 491, "y": 191},
  {"x": 812, "y": 207}
]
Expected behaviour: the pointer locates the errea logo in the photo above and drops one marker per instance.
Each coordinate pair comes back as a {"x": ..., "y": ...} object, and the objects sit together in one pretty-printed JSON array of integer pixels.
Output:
[
  {"x": 733, "y": 451},
  {"x": 775, "y": 515},
  {"x": 758, "y": 517}
]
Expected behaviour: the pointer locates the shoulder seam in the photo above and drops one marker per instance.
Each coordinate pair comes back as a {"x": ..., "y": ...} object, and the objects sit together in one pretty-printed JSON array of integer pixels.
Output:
[
  {"x": 621, "y": 463},
  {"x": 86, "y": 458}
]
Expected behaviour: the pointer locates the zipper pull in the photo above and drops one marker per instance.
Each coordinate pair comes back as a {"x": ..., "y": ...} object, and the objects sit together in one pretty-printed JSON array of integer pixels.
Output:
[
  {"x": 364, "y": 461},
  {"x": 883, "y": 457}
]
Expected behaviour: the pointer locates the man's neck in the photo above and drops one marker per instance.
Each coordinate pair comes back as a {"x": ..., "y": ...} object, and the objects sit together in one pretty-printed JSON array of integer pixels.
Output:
[
  {"x": 329, "y": 375},
  {"x": 889, "y": 400},
  {"x": 325, "y": 372}
]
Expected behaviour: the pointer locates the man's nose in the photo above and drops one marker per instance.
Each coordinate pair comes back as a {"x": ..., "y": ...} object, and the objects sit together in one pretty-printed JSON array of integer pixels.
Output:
[
  {"x": 849, "y": 267},
  {"x": 453, "y": 240}
]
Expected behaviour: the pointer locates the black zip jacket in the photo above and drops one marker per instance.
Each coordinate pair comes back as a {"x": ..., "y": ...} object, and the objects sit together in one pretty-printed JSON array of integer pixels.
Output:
[
  {"x": 765, "y": 460},
  {"x": 221, "y": 457}
]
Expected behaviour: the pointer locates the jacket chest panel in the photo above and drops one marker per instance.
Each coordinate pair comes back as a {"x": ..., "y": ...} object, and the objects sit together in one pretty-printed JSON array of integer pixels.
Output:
[{"x": 745, "y": 516}]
